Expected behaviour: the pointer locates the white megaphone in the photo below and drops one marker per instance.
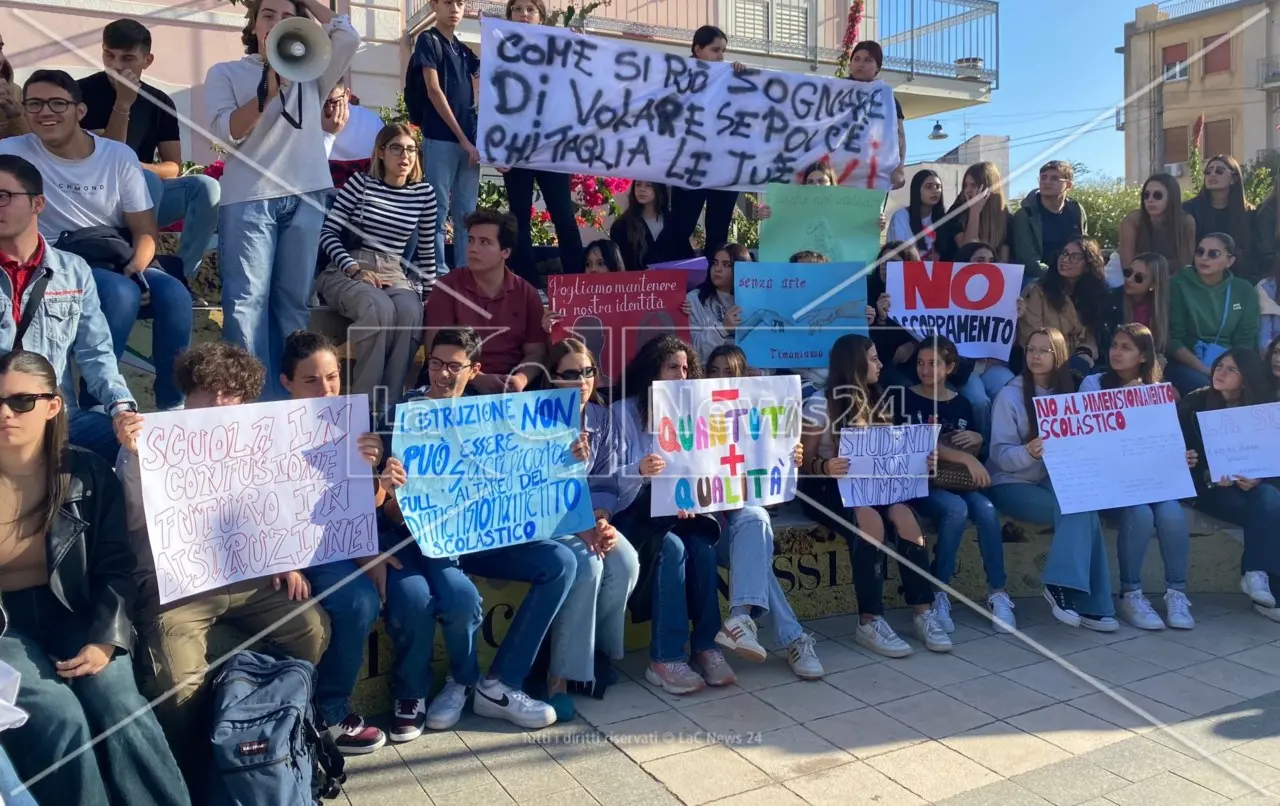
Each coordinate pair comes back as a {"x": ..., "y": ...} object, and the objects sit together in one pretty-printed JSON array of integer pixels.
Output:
[{"x": 298, "y": 50}]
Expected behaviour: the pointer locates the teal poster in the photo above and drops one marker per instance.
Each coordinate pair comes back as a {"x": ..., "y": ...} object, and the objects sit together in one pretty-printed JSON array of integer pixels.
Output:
[
  {"x": 793, "y": 312},
  {"x": 841, "y": 223},
  {"x": 485, "y": 472}
]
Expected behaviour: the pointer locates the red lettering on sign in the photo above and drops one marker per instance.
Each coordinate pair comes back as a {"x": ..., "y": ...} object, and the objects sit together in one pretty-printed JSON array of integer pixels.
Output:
[{"x": 938, "y": 286}]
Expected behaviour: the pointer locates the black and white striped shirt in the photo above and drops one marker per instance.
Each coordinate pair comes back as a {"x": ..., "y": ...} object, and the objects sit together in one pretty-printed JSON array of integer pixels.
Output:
[{"x": 384, "y": 218}]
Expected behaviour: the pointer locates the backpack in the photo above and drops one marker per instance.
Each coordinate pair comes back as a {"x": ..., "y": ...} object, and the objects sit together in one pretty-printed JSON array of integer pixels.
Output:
[
  {"x": 268, "y": 742},
  {"x": 415, "y": 86}
]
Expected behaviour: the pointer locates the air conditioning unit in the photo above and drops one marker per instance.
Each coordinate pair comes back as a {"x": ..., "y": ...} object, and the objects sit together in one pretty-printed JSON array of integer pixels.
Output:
[{"x": 1175, "y": 168}]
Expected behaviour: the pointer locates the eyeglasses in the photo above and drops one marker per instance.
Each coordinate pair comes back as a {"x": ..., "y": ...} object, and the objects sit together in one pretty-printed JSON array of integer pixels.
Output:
[
  {"x": 397, "y": 150},
  {"x": 1212, "y": 254},
  {"x": 452, "y": 367},
  {"x": 1038, "y": 350},
  {"x": 1216, "y": 170},
  {"x": 931, "y": 186},
  {"x": 1072, "y": 257},
  {"x": 577, "y": 374},
  {"x": 1138, "y": 277},
  {"x": 56, "y": 105},
  {"x": 1230, "y": 369},
  {"x": 21, "y": 404},
  {"x": 6, "y": 196},
  {"x": 1153, "y": 195}
]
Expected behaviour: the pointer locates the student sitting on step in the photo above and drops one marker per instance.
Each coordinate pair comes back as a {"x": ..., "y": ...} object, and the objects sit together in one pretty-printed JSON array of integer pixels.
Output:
[{"x": 549, "y": 567}]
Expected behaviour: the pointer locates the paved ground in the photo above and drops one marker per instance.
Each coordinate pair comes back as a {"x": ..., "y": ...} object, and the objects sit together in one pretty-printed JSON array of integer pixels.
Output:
[{"x": 992, "y": 723}]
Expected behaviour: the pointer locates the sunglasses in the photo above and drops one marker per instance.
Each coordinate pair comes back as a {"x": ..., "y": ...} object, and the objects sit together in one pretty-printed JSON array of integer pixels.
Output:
[
  {"x": 1216, "y": 170},
  {"x": 1212, "y": 254},
  {"x": 453, "y": 367},
  {"x": 577, "y": 374},
  {"x": 1138, "y": 277},
  {"x": 21, "y": 404},
  {"x": 1153, "y": 195}
]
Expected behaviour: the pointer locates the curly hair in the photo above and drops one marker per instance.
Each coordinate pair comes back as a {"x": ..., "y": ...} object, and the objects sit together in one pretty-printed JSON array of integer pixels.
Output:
[
  {"x": 250, "y": 39},
  {"x": 645, "y": 368},
  {"x": 220, "y": 366}
]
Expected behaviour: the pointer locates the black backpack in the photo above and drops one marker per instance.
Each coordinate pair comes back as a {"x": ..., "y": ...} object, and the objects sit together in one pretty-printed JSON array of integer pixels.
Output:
[{"x": 415, "y": 86}]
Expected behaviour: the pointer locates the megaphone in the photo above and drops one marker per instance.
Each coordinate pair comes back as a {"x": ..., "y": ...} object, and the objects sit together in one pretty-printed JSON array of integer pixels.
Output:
[{"x": 298, "y": 50}]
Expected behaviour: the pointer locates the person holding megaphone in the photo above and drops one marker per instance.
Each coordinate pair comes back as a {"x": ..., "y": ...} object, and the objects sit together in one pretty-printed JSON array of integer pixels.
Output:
[{"x": 266, "y": 109}]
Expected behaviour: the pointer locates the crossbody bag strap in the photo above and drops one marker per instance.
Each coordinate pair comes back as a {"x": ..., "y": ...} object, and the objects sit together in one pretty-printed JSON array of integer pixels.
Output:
[
  {"x": 1226, "y": 310},
  {"x": 31, "y": 306}
]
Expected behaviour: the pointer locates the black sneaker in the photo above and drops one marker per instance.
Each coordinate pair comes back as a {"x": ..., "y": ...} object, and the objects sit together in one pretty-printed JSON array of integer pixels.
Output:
[
  {"x": 355, "y": 737},
  {"x": 409, "y": 720},
  {"x": 1060, "y": 598}
]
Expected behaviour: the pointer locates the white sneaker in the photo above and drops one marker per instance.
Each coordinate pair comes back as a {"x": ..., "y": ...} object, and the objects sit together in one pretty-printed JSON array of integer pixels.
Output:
[
  {"x": 1062, "y": 610},
  {"x": 1272, "y": 613},
  {"x": 1177, "y": 610},
  {"x": 446, "y": 709},
  {"x": 1099, "y": 623},
  {"x": 929, "y": 629},
  {"x": 1135, "y": 609},
  {"x": 942, "y": 609},
  {"x": 740, "y": 636},
  {"x": 1257, "y": 586},
  {"x": 877, "y": 636},
  {"x": 802, "y": 654},
  {"x": 497, "y": 700},
  {"x": 1002, "y": 612}
]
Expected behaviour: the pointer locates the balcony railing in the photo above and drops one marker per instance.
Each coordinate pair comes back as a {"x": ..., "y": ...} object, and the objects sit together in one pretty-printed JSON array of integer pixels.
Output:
[
  {"x": 1269, "y": 73},
  {"x": 956, "y": 39},
  {"x": 1171, "y": 9}
]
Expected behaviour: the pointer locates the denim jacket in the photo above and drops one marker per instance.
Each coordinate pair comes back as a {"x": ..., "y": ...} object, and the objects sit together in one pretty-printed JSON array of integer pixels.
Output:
[
  {"x": 631, "y": 444},
  {"x": 602, "y": 472},
  {"x": 70, "y": 324}
]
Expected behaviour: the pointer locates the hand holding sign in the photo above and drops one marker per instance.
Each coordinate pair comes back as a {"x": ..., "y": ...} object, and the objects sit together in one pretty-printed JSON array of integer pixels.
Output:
[{"x": 975, "y": 305}]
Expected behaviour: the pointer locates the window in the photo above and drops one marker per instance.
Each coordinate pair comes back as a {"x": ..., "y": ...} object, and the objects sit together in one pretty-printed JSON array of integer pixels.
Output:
[
  {"x": 1217, "y": 138},
  {"x": 751, "y": 20},
  {"x": 1217, "y": 59},
  {"x": 791, "y": 23},
  {"x": 1176, "y": 144},
  {"x": 1174, "y": 61}
]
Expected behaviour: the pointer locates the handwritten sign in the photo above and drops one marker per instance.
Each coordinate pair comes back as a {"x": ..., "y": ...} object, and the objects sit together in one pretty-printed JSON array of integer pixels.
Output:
[
  {"x": 241, "y": 492},
  {"x": 888, "y": 464},
  {"x": 973, "y": 304},
  {"x": 839, "y": 222},
  {"x": 552, "y": 99},
  {"x": 770, "y": 295},
  {"x": 694, "y": 268},
  {"x": 614, "y": 314},
  {"x": 728, "y": 443},
  {"x": 1243, "y": 441},
  {"x": 491, "y": 471},
  {"x": 1114, "y": 448}
]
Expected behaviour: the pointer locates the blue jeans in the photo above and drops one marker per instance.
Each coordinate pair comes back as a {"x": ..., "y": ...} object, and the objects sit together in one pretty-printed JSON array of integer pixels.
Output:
[
  {"x": 594, "y": 614},
  {"x": 411, "y": 624},
  {"x": 353, "y": 608},
  {"x": 457, "y": 187},
  {"x": 267, "y": 258},
  {"x": 549, "y": 567},
  {"x": 746, "y": 549},
  {"x": 93, "y": 431},
  {"x": 975, "y": 392},
  {"x": 12, "y": 792},
  {"x": 994, "y": 378},
  {"x": 684, "y": 588},
  {"x": 171, "y": 315},
  {"x": 1077, "y": 556},
  {"x": 1185, "y": 379},
  {"x": 1136, "y": 524},
  {"x": 193, "y": 200},
  {"x": 952, "y": 511}
]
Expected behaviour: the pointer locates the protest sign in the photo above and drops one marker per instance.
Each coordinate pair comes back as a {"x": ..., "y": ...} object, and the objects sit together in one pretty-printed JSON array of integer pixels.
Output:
[
  {"x": 614, "y": 314},
  {"x": 241, "y": 492},
  {"x": 694, "y": 268},
  {"x": 888, "y": 464},
  {"x": 491, "y": 471},
  {"x": 728, "y": 443},
  {"x": 974, "y": 305},
  {"x": 771, "y": 295},
  {"x": 841, "y": 223},
  {"x": 1114, "y": 448},
  {"x": 553, "y": 99},
  {"x": 1243, "y": 441}
]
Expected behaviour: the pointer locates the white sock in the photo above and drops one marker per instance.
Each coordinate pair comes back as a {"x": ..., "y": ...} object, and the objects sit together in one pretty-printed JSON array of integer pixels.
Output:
[{"x": 740, "y": 610}]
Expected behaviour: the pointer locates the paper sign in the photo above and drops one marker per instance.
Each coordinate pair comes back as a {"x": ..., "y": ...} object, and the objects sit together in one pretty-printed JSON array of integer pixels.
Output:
[
  {"x": 842, "y": 223},
  {"x": 1114, "y": 448},
  {"x": 771, "y": 295},
  {"x": 728, "y": 443},
  {"x": 974, "y": 305},
  {"x": 888, "y": 464},
  {"x": 552, "y": 99},
  {"x": 694, "y": 268},
  {"x": 491, "y": 471},
  {"x": 1243, "y": 441},
  {"x": 615, "y": 314},
  {"x": 241, "y": 492}
]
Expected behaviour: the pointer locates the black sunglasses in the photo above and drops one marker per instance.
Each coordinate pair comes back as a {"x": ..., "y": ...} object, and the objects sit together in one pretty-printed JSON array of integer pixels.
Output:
[
  {"x": 1138, "y": 277},
  {"x": 1212, "y": 254},
  {"x": 21, "y": 404},
  {"x": 1153, "y": 195},
  {"x": 577, "y": 374}
]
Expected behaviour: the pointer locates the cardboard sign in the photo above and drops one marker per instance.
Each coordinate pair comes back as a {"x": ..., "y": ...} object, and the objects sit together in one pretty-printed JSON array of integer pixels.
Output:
[
  {"x": 1243, "y": 441},
  {"x": 888, "y": 464},
  {"x": 842, "y": 223},
  {"x": 728, "y": 443},
  {"x": 782, "y": 327},
  {"x": 241, "y": 492},
  {"x": 491, "y": 471},
  {"x": 975, "y": 305}
]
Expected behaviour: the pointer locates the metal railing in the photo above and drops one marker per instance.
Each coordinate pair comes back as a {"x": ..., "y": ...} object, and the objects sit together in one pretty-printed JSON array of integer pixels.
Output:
[
  {"x": 956, "y": 39},
  {"x": 1171, "y": 9}
]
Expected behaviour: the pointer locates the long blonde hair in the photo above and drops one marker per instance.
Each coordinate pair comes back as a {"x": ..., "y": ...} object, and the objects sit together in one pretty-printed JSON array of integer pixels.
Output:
[
  {"x": 388, "y": 133},
  {"x": 995, "y": 217},
  {"x": 1160, "y": 293}
]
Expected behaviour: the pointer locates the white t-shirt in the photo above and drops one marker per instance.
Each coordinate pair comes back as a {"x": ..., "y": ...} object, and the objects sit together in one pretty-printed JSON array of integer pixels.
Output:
[
  {"x": 355, "y": 141},
  {"x": 92, "y": 192},
  {"x": 900, "y": 229}
]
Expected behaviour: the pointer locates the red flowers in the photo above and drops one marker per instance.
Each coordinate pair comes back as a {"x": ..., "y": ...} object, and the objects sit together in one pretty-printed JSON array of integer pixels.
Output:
[{"x": 214, "y": 169}]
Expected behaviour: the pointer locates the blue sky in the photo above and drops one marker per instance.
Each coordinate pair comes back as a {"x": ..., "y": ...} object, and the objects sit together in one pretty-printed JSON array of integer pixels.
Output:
[{"x": 1058, "y": 71}]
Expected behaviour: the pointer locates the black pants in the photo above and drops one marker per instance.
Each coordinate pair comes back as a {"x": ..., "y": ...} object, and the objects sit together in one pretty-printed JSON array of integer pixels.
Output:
[
  {"x": 686, "y": 208},
  {"x": 559, "y": 203},
  {"x": 1257, "y": 511},
  {"x": 868, "y": 560}
]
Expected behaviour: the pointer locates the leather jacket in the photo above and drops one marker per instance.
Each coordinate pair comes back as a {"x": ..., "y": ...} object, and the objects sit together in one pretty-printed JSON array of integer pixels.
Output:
[{"x": 87, "y": 551}]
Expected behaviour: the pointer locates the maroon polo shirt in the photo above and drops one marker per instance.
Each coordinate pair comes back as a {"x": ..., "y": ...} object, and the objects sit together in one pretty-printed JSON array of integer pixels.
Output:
[{"x": 510, "y": 320}]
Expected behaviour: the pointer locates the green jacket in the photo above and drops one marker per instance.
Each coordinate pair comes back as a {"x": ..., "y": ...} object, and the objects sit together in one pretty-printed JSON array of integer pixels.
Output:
[
  {"x": 1195, "y": 312},
  {"x": 1026, "y": 242}
]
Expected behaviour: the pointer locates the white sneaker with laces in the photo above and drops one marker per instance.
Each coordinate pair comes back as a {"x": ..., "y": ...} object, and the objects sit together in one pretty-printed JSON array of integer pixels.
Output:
[
  {"x": 1257, "y": 586},
  {"x": 1002, "y": 618},
  {"x": 942, "y": 609},
  {"x": 740, "y": 636},
  {"x": 446, "y": 709},
  {"x": 497, "y": 700},
  {"x": 1135, "y": 609},
  {"x": 877, "y": 636},
  {"x": 802, "y": 654},
  {"x": 929, "y": 630},
  {"x": 1177, "y": 610}
]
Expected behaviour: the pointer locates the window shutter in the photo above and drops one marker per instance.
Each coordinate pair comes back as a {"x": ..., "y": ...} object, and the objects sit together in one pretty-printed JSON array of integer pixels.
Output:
[{"x": 1176, "y": 144}]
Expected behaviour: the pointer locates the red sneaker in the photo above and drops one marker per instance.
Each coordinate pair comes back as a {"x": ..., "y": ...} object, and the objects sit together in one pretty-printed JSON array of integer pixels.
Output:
[
  {"x": 409, "y": 720},
  {"x": 355, "y": 737}
]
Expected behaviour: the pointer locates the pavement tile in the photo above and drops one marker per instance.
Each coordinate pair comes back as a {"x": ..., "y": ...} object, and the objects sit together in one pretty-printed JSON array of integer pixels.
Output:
[
  {"x": 1175, "y": 689},
  {"x": 738, "y": 716},
  {"x": 1165, "y": 788},
  {"x": 711, "y": 773},
  {"x": 1051, "y": 679},
  {"x": 877, "y": 683},
  {"x": 1070, "y": 782},
  {"x": 652, "y": 737},
  {"x": 1105, "y": 707},
  {"x": 1158, "y": 649},
  {"x": 998, "y": 696},
  {"x": 996, "y": 654},
  {"x": 836, "y": 787},
  {"x": 1001, "y": 793},
  {"x": 1265, "y": 658},
  {"x": 623, "y": 701},
  {"x": 1071, "y": 729},
  {"x": 1229, "y": 773},
  {"x": 807, "y": 700},
  {"x": 865, "y": 733},
  {"x": 776, "y": 795},
  {"x": 1234, "y": 677},
  {"x": 1110, "y": 666},
  {"x": 791, "y": 753},
  {"x": 442, "y": 763},
  {"x": 938, "y": 669},
  {"x": 932, "y": 771},
  {"x": 1004, "y": 749},
  {"x": 935, "y": 714},
  {"x": 1137, "y": 759}
]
